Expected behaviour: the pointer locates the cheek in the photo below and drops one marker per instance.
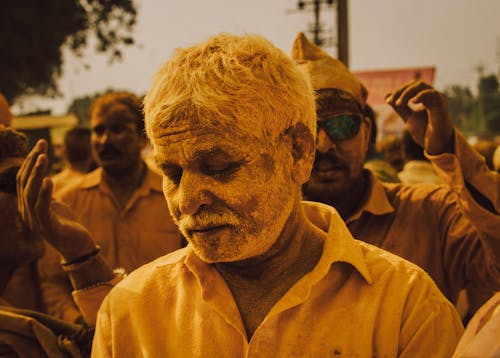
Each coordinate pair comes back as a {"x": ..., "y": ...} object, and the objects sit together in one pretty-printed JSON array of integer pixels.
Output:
[{"x": 167, "y": 193}]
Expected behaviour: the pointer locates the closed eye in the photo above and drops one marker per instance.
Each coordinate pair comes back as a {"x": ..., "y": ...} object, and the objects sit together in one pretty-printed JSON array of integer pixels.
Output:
[
  {"x": 172, "y": 173},
  {"x": 221, "y": 171}
]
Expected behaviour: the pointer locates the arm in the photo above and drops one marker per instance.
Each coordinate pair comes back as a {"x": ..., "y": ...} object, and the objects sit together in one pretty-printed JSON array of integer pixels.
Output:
[
  {"x": 425, "y": 112},
  {"x": 430, "y": 326},
  {"x": 58, "y": 225}
]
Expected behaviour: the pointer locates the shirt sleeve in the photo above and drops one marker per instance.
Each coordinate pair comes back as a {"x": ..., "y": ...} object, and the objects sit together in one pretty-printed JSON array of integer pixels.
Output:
[
  {"x": 466, "y": 166},
  {"x": 102, "y": 343},
  {"x": 477, "y": 243},
  {"x": 430, "y": 325},
  {"x": 89, "y": 299},
  {"x": 55, "y": 287}
]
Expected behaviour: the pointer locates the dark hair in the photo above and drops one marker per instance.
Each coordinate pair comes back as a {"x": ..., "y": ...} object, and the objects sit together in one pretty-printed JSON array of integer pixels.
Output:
[
  {"x": 411, "y": 149},
  {"x": 77, "y": 144},
  {"x": 104, "y": 103},
  {"x": 12, "y": 143}
]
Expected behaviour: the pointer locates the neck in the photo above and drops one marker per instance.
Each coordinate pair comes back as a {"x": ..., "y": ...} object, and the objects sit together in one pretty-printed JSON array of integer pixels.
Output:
[
  {"x": 349, "y": 202},
  {"x": 123, "y": 186},
  {"x": 258, "y": 283},
  {"x": 297, "y": 250},
  {"x": 132, "y": 177},
  {"x": 81, "y": 167}
]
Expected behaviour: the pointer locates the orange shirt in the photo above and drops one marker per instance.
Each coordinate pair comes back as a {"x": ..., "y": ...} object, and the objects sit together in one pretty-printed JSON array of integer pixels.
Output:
[
  {"x": 442, "y": 229},
  {"x": 129, "y": 237},
  {"x": 358, "y": 301}
]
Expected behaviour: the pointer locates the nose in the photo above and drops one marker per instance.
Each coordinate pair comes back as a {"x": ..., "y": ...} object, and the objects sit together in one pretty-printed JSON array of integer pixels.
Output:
[
  {"x": 104, "y": 137},
  {"x": 192, "y": 193},
  {"x": 324, "y": 143}
]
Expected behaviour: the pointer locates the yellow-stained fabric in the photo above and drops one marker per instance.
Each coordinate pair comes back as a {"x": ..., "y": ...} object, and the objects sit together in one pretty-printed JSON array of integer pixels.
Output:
[
  {"x": 442, "y": 230},
  {"x": 419, "y": 171},
  {"x": 23, "y": 288},
  {"x": 325, "y": 71},
  {"x": 358, "y": 301},
  {"x": 89, "y": 300},
  {"x": 24, "y": 336},
  {"x": 129, "y": 237},
  {"x": 482, "y": 336}
]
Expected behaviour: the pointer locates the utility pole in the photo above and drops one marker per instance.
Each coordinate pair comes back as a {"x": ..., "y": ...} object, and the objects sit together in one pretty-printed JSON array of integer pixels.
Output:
[
  {"x": 342, "y": 32},
  {"x": 342, "y": 26}
]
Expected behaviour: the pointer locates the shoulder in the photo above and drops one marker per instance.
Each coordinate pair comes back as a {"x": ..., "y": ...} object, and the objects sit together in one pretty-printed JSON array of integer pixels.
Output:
[
  {"x": 156, "y": 276},
  {"x": 393, "y": 273},
  {"x": 78, "y": 185},
  {"x": 420, "y": 193}
]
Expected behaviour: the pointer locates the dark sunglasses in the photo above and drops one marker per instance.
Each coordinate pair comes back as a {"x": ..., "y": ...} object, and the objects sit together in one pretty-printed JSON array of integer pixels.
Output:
[
  {"x": 343, "y": 126},
  {"x": 8, "y": 181}
]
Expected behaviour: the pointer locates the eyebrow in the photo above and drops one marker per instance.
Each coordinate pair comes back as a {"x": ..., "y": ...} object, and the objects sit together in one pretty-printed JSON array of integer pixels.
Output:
[{"x": 219, "y": 152}]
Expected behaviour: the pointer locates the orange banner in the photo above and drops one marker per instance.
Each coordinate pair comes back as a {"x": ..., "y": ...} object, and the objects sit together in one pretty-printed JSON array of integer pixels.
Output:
[{"x": 380, "y": 82}]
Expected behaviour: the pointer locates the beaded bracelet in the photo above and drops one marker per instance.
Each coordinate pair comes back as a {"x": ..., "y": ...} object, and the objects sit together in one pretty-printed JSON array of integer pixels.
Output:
[{"x": 83, "y": 258}]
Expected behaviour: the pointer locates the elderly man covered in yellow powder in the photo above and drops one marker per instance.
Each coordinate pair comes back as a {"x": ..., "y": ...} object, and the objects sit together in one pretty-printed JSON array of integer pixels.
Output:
[
  {"x": 452, "y": 232},
  {"x": 232, "y": 122}
]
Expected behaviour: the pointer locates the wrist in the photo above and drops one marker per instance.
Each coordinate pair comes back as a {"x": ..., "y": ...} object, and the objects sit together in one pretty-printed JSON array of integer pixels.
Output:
[{"x": 72, "y": 260}]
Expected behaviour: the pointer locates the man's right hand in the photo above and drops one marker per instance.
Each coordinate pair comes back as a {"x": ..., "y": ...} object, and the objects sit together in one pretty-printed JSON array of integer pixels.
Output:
[{"x": 55, "y": 221}]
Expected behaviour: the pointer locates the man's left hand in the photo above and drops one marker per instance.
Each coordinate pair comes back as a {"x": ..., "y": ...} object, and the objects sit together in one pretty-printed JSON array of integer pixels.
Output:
[{"x": 425, "y": 112}]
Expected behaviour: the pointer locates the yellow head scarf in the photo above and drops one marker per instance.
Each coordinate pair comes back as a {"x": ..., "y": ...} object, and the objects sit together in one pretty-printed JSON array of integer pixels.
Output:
[{"x": 325, "y": 71}]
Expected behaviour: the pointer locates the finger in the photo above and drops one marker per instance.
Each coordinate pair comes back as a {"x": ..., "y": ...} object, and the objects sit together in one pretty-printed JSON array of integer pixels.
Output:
[
  {"x": 33, "y": 185},
  {"x": 429, "y": 99},
  {"x": 392, "y": 98},
  {"x": 32, "y": 190},
  {"x": 400, "y": 100},
  {"x": 411, "y": 91},
  {"x": 25, "y": 170},
  {"x": 42, "y": 206},
  {"x": 437, "y": 108}
]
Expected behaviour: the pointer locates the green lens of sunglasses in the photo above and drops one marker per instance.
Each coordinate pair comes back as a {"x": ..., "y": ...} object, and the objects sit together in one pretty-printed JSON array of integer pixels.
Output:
[{"x": 344, "y": 126}]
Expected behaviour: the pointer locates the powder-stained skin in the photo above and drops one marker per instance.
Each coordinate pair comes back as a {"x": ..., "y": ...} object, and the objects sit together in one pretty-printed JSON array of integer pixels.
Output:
[{"x": 222, "y": 191}]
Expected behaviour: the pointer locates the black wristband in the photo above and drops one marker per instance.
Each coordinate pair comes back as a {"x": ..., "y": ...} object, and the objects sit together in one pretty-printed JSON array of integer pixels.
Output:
[{"x": 83, "y": 258}]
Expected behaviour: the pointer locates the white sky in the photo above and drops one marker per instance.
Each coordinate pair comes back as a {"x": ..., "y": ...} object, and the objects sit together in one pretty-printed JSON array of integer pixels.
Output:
[{"x": 453, "y": 35}]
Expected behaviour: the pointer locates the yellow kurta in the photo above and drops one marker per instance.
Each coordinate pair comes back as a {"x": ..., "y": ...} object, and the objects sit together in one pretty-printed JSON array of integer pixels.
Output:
[
  {"x": 358, "y": 301},
  {"x": 129, "y": 237}
]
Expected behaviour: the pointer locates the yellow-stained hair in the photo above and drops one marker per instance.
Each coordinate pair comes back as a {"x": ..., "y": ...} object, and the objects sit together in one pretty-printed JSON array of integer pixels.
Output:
[{"x": 243, "y": 80}]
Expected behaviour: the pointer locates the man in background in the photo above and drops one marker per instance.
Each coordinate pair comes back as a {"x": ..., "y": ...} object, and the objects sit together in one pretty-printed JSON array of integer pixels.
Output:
[
  {"x": 121, "y": 202},
  {"x": 452, "y": 234},
  {"x": 24, "y": 200},
  {"x": 76, "y": 157}
]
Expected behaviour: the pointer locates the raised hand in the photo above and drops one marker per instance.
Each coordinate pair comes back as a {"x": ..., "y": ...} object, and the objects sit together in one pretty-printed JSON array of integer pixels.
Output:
[
  {"x": 42, "y": 215},
  {"x": 425, "y": 112}
]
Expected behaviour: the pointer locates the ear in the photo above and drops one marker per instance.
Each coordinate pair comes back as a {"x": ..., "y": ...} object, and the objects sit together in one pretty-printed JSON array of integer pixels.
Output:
[
  {"x": 144, "y": 141},
  {"x": 366, "y": 128},
  {"x": 303, "y": 150}
]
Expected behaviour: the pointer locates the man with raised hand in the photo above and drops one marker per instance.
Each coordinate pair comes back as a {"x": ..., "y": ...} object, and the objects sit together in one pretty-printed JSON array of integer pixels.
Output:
[
  {"x": 232, "y": 123},
  {"x": 29, "y": 216},
  {"x": 121, "y": 202},
  {"x": 452, "y": 233}
]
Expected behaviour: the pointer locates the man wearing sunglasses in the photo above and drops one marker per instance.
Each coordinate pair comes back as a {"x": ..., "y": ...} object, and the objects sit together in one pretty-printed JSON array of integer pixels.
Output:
[{"x": 452, "y": 234}]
